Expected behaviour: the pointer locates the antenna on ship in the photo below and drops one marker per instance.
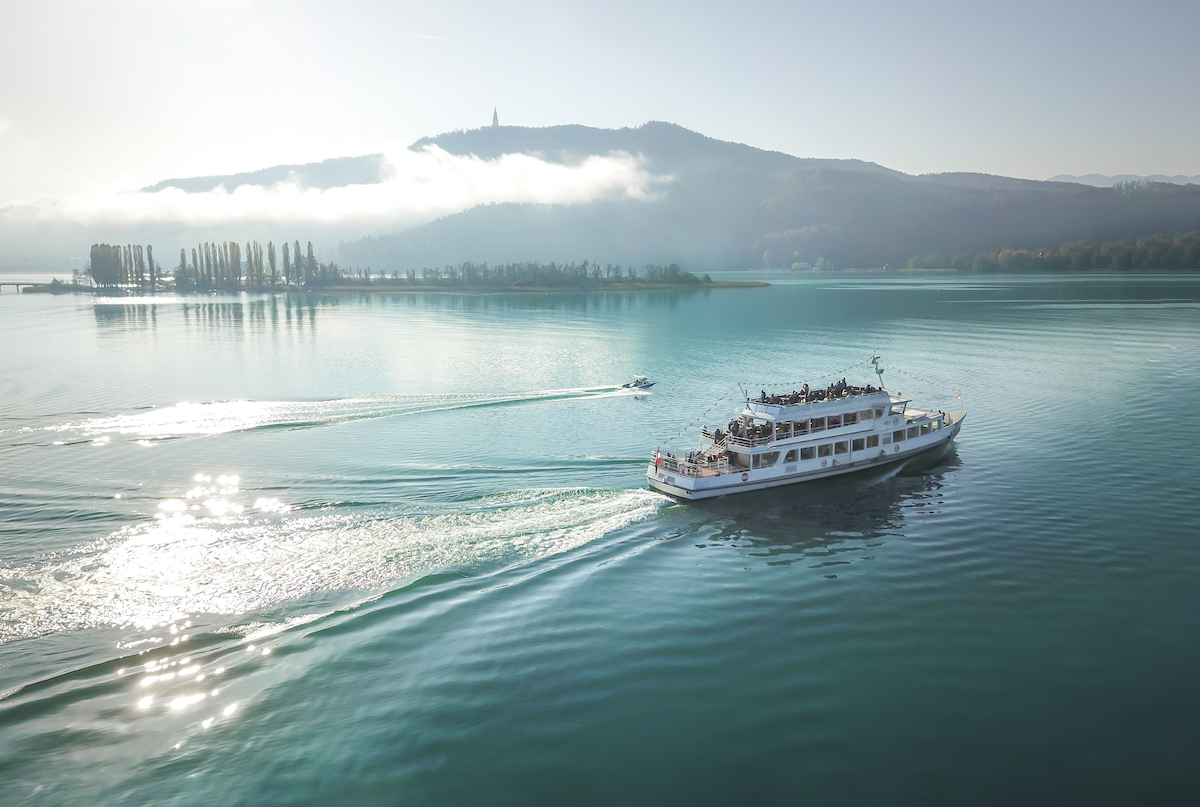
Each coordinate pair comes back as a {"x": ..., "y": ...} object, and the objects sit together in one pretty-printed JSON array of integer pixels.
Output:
[{"x": 878, "y": 369}]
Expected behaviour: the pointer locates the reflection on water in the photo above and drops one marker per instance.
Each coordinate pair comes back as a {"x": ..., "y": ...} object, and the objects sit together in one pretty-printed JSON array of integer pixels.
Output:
[
  {"x": 298, "y": 309},
  {"x": 216, "y": 312},
  {"x": 832, "y": 521}
]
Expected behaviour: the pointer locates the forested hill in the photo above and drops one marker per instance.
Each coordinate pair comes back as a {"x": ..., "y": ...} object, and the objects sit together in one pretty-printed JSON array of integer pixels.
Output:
[
  {"x": 727, "y": 205},
  {"x": 333, "y": 173}
]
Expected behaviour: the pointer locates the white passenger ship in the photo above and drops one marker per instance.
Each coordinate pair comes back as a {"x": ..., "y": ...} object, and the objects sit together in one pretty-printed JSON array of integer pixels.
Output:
[{"x": 784, "y": 439}]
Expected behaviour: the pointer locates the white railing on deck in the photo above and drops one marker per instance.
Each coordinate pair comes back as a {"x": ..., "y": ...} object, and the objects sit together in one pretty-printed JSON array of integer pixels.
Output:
[{"x": 712, "y": 467}]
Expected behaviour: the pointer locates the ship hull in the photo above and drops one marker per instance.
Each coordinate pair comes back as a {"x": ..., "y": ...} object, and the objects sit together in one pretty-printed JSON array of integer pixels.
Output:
[{"x": 694, "y": 489}]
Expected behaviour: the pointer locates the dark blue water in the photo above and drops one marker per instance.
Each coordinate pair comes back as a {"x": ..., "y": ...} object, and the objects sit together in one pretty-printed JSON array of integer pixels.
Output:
[{"x": 399, "y": 550}]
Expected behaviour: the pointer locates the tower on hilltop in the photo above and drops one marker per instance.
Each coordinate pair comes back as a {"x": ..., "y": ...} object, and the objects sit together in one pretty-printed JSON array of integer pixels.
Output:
[{"x": 495, "y": 118}]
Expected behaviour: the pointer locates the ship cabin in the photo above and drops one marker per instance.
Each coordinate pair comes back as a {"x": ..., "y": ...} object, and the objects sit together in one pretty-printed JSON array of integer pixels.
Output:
[{"x": 845, "y": 430}]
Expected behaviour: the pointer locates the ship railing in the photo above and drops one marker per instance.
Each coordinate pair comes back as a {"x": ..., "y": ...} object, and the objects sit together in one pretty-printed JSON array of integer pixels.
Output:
[
  {"x": 704, "y": 468},
  {"x": 749, "y": 442},
  {"x": 708, "y": 467}
]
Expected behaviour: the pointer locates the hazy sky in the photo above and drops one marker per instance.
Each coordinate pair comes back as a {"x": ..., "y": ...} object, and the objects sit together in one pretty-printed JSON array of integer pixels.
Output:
[{"x": 104, "y": 96}]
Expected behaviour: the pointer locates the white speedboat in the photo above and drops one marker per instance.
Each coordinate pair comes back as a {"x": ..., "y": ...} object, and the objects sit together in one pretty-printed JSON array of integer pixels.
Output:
[
  {"x": 639, "y": 382},
  {"x": 784, "y": 439}
]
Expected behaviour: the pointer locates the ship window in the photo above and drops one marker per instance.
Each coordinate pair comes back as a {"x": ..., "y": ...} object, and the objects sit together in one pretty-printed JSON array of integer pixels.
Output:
[
  {"x": 808, "y": 453},
  {"x": 839, "y": 447},
  {"x": 766, "y": 459},
  {"x": 926, "y": 428},
  {"x": 897, "y": 409},
  {"x": 818, "y": 424},
  {"x": 873, "y": 441},
  {"x": 857, "y": 445},
  {"x": 738, "y": 460},
  {"x": 866, "y": 414},
  {"x": 801, "y": 427},
  {"x": 850, "y": 418},
  {"x": 790, "y": 456},
  {"x": 913, "y": 431},
  {"x": 825, "y": 450},
  {"x": 937, "y": 424},
  {"x": 833, "y": 422},
  {"x": 898, "y": 436},
  {"x": 879, "y": 411},
  {"x": 887, "y": 439}
]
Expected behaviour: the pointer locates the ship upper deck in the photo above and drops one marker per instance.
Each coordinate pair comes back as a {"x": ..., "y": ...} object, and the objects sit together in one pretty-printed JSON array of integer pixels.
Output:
[{"x": 794, "y": 406}]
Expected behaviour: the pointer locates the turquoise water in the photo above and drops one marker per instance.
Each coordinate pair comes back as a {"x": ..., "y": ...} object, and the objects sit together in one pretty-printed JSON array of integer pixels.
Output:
[{"x": 399, "y": 550}]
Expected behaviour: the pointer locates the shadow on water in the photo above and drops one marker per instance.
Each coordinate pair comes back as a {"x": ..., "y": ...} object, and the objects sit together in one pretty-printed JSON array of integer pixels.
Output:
[{"x": 827, "y": 518}]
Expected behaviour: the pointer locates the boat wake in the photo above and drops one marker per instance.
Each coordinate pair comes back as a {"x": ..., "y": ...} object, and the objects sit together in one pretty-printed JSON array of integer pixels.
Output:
[
  {"x": 223, "y": 417},
  {"x": 216, "y": 552}
]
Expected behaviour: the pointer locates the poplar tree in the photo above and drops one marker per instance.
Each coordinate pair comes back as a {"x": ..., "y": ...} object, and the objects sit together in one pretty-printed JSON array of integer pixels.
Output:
[
  {"x": 271, "y": 259},
  {"x": 310, "y": 266},
  {"x": 287, "y": 265},
  {"x": 106, "y": 264}
]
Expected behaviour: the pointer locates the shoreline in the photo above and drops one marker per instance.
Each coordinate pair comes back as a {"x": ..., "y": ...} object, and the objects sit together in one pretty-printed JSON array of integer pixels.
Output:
[{"x": 67, "y": 288}]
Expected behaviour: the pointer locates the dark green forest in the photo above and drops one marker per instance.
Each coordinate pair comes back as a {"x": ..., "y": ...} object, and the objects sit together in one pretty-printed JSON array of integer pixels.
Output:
[{"x": 1155, "y": 252}]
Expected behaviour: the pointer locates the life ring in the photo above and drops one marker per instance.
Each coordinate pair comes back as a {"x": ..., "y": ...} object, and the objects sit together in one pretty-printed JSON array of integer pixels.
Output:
[
  {"x": 745, "y": 477},
  {"x": 895, "y": 448},
  {"x": 895, "y": 421},
  {"x": 824, "y": 463}
]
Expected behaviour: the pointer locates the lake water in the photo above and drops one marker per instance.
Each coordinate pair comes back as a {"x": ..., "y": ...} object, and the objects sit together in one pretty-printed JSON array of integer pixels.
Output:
[{"x": 399, "y": 550}]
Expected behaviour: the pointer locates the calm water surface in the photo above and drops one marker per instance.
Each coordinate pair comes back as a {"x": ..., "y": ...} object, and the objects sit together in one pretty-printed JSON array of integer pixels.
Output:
[{"x": 399, "y": 550}]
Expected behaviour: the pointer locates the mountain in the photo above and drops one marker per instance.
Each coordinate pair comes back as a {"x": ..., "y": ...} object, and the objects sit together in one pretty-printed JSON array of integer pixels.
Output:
[
  {"x": 708, "y": 205},
  {"x": 728, "y": 205},
  {"x": 335, "y": 173},
  {"x": 1105, "y": 181}
]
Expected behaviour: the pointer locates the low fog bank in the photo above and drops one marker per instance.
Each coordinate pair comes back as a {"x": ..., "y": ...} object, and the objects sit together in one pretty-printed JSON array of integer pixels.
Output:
[{"x": 327, "y": 203}]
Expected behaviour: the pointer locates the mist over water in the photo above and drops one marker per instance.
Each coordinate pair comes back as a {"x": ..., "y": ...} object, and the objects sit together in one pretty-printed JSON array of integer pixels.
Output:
[{"x": 386, "y": 549}]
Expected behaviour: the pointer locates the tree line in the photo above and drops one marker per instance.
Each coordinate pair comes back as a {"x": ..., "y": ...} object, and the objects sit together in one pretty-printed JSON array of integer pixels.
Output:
[
  {"x": 533, "y": 274},
  {"x": 224, "y": 266},
  {"x": 130, "y": 265},
  {"x": 227, "y": 266},
  {"x": 1156, "y": 252}
]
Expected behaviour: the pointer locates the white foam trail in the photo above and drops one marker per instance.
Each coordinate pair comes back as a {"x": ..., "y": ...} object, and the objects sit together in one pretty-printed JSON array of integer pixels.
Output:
[
  {"x": 223, "y": 417},
  {"x": 148, "y": 574}
]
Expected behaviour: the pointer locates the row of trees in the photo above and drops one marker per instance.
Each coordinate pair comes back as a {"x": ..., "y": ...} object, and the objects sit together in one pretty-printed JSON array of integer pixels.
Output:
[
  {"x": 130, "y": 265},
  {"x": 1148, "y": 253},
  {"x": 226, "y": 266},
  {"x": 220, "y": 266},
  {"x": 531, "y": 274}
]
